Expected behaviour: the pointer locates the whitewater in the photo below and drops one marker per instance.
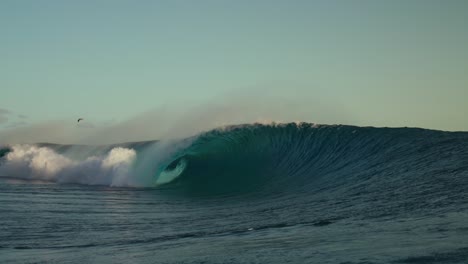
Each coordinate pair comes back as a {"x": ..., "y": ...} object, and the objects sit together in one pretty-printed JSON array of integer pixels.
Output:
[{"x": 251, "y": 193}]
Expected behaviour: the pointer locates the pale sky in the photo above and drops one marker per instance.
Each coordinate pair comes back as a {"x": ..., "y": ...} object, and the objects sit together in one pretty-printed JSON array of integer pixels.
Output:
[{"x": 379, "y": 63}]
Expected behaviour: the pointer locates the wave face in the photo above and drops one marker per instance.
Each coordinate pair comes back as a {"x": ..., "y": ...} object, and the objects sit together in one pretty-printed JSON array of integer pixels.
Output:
[{"x": 266, "y": 159}]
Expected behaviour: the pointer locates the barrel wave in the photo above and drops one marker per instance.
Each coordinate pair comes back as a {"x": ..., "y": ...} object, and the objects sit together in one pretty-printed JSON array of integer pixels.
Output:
[
  {"x": 258, "y": 158},
  {"x": 306, "y": 158}
]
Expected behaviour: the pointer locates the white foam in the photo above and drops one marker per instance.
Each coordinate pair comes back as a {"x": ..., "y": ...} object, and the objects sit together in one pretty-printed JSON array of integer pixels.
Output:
[{"x": 42, "y": 163}]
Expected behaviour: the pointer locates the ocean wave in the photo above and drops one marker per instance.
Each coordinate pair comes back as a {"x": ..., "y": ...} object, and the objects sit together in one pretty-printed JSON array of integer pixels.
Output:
[{"x": 299, "y": 157}]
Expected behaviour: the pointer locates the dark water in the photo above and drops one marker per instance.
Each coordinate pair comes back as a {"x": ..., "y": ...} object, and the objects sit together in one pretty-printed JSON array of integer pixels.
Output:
[{"x": 247, "y": 194}]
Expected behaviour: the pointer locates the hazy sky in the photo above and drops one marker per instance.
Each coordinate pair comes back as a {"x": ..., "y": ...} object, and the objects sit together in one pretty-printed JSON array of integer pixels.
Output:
[{"x": 380, "y": 63}]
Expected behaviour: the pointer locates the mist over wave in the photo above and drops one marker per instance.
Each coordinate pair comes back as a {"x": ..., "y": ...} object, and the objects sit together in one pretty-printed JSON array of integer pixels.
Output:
[{"x": 178, "y": 119}]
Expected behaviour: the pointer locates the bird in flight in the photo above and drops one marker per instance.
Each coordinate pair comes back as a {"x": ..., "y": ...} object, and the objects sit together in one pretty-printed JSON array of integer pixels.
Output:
[{"x": 79, "y": 119}]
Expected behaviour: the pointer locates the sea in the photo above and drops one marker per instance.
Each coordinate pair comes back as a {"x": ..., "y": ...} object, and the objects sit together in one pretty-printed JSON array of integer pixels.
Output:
[{"x": 250, "y": 193}]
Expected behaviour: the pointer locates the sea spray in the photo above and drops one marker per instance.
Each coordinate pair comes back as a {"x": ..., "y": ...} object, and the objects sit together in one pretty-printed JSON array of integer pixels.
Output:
[{"x": 43, "y": 163}]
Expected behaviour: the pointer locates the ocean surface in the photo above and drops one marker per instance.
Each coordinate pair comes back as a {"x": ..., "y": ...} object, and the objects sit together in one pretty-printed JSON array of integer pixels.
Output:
[{"x": 278, "y": 193}]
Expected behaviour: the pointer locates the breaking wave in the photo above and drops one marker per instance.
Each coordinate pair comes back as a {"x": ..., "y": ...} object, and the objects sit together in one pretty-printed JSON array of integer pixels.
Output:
[{"x": 245, "y": 158}]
